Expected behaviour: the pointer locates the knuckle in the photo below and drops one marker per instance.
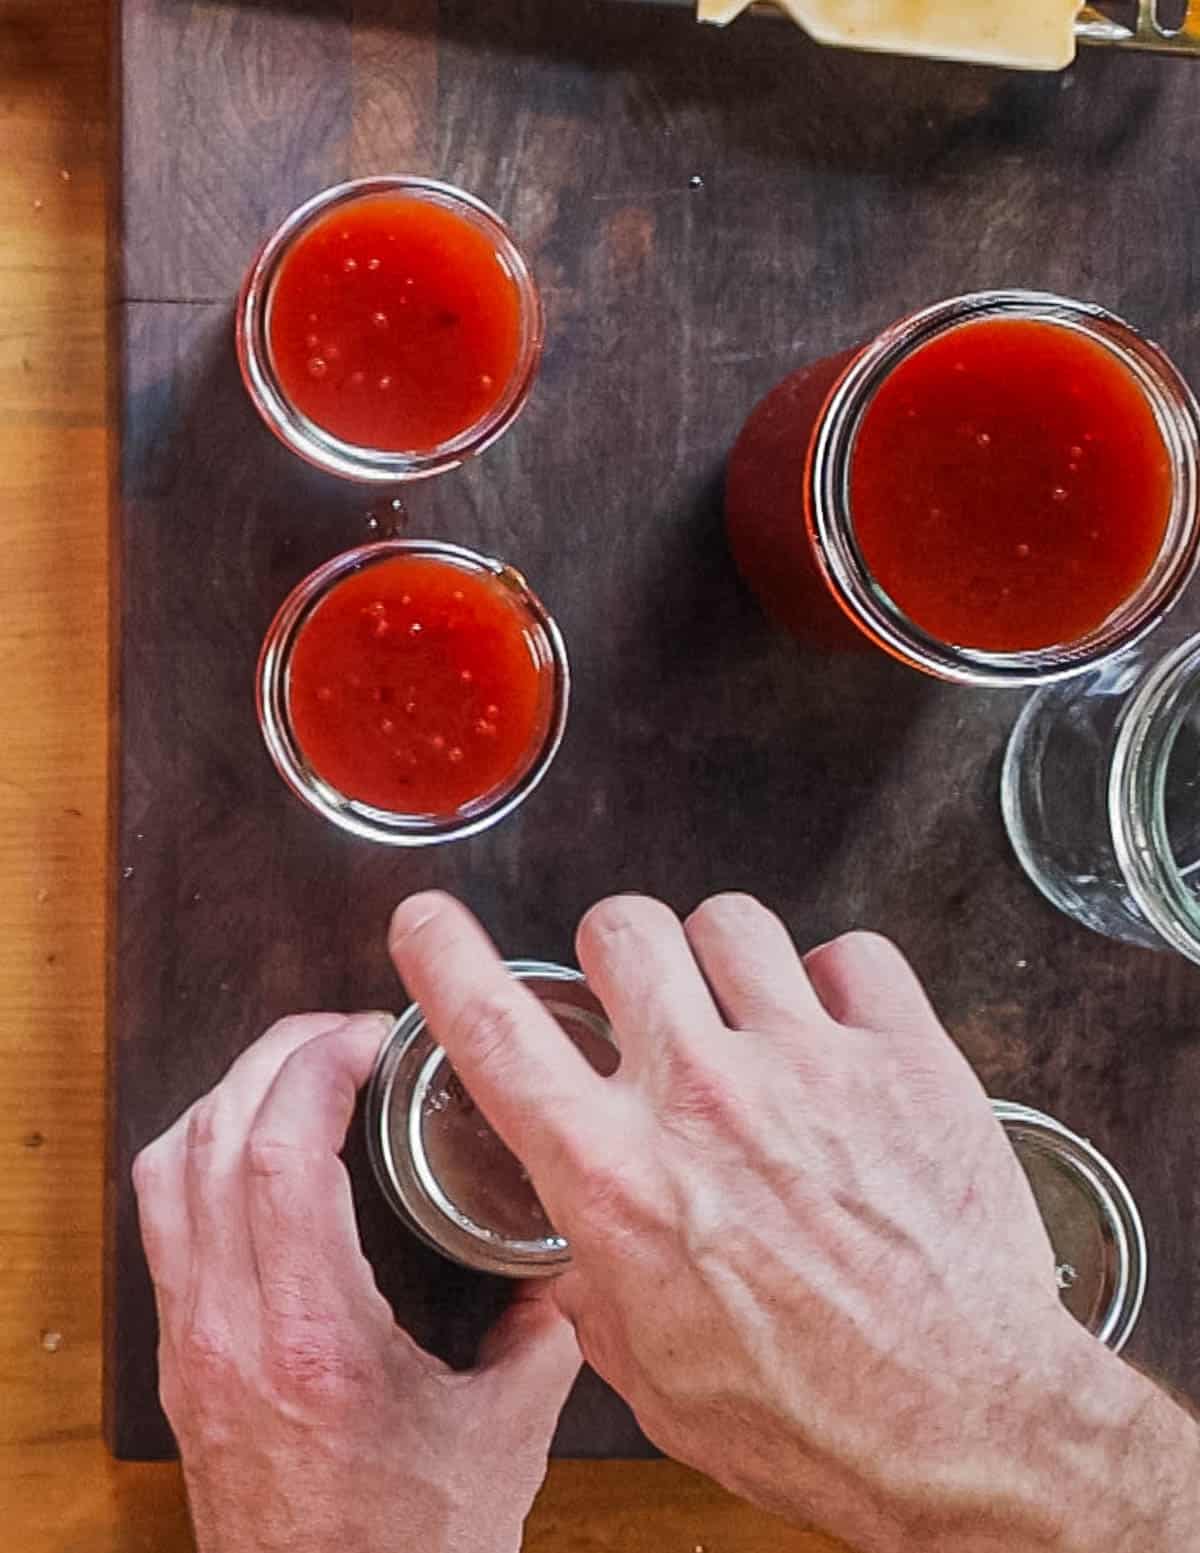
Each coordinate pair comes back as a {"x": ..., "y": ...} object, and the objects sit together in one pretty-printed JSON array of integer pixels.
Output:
[
  {"x": 608, "y": 1196},
  {"x": 149, "y": 1171},
  {"x": 290, "y": 1025},
  {"x": 204, "y": 1124},
  {"x": 701, "y": 1093},
  {"x": 207, "y": 1353},
  {"x": 170, "y": 1392},
  {"x": 268, "y": 1157},
  {"x": 302, "y": 1359},
  {"x": 485, "y": 1030}
]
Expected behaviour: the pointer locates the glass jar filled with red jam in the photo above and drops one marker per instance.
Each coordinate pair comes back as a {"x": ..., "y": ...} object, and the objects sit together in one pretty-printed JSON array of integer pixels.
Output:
[
  {"x": 389, "y": 329},
  {"x": 412, "y": 691},
  {"x": 999, "y": 490}
]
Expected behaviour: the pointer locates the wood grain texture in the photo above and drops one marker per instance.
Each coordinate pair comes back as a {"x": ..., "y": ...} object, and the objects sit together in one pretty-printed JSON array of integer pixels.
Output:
[
  {"x": 835, "y": 192},
  {"x": 52, "y": 755},
  {"x": 60, "y": 1492}
]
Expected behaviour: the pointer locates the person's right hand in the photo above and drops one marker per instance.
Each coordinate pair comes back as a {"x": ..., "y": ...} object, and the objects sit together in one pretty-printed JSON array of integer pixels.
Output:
[{"x": 803, "y": 1249}]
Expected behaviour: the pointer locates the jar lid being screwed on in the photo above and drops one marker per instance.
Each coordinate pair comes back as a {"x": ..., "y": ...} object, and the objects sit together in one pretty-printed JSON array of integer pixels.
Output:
[
  {"x": 1092, "y": 1220},
  {"x": 438, "y": 1161}
]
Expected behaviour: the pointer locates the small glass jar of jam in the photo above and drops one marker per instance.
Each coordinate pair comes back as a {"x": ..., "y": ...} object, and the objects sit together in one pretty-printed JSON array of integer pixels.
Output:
[
  {"x": 389, "y": 329},
  {"x": 1092, "y": 1221},
  {"x": 412, "y": 691},
  {"x": 437, "y": 1160},
  {"x": 998, "y": 490},
  {"x": 1100, "y": 799}
]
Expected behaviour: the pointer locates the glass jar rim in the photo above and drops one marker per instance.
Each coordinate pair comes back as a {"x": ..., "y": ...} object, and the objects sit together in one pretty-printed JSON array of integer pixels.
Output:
[
  {"x": 1149, "y": 723},
  {"x": 1116, "y": 1211},
  {"x": 369, "y": 823},
  {"x": 311, "y": 441},
  {"x": 411, "y": 1055},
  {"x": 830, "y": 519}
]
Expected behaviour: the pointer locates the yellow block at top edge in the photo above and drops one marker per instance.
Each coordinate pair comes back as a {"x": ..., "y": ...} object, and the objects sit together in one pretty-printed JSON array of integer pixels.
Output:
[{"x": 1024, "y": 34}]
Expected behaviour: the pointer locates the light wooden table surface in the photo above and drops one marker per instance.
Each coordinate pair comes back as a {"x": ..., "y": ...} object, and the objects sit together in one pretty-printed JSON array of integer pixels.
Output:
[{"x": 58, "y": 1489}]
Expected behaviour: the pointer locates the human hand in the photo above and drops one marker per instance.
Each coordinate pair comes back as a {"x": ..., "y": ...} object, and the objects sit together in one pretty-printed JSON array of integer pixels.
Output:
[
  {"x": 307, "y": 1420},
  {"x": 803, "y": 1249}
]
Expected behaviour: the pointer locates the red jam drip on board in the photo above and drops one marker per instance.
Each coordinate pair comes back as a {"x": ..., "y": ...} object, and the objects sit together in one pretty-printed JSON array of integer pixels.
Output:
[
  {"x": 415, "y": 687},
  {"x": 394, "y": 324},
  {"x": 1009, "y": 485}
]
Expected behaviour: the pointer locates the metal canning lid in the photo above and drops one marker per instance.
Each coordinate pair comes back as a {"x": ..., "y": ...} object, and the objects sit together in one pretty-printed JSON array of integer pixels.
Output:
[
  {"x": 438, "y": 1162},
  {"x": 1092, "y": 1220}
]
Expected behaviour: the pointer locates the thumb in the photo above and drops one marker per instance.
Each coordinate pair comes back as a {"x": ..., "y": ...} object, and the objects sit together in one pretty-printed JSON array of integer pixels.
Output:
[{"x": 530, "y": 1357}]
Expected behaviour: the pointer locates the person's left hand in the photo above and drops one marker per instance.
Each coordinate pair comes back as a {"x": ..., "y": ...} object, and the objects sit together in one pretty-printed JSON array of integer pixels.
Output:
[{"x": 307, "y": 1420}]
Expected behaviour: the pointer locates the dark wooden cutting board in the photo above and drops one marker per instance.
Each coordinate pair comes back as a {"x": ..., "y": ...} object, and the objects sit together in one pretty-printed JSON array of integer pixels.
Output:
[{"x": 704, "y": 211}]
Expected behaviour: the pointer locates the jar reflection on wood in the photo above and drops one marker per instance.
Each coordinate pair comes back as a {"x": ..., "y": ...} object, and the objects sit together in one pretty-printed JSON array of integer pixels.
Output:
[{"x": 1101, "y": 796}]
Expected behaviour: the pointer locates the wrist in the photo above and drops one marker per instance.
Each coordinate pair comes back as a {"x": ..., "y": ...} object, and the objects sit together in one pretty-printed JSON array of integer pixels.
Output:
[
  {"x": 1060, "y": 1447},
  {"x": 1135, "y": 1454},
  {"x": 1091, "y": 1453}
]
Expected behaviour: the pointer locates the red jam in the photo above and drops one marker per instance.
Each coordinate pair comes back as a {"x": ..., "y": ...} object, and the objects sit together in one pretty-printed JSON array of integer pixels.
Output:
[
  {"x": 764, "y": 509},
  {"x": 394, "y": 324},
  {"x": 1009, "y": 485},
  {"x": 416, "y": 687}
]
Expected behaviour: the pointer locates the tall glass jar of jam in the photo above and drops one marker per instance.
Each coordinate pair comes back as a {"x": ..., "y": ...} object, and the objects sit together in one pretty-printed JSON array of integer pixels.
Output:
[{"x": 998, "y": 490}]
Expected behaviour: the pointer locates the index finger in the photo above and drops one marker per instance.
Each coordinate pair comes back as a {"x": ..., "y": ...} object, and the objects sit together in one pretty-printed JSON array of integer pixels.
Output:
[{"x": 526, "y": 1075}]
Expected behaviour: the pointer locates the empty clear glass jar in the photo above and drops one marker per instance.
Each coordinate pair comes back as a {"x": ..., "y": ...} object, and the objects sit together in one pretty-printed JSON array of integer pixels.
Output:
[
  {"x": 442, "y": 1169},
  {"x": 1101, "y": 796}
]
